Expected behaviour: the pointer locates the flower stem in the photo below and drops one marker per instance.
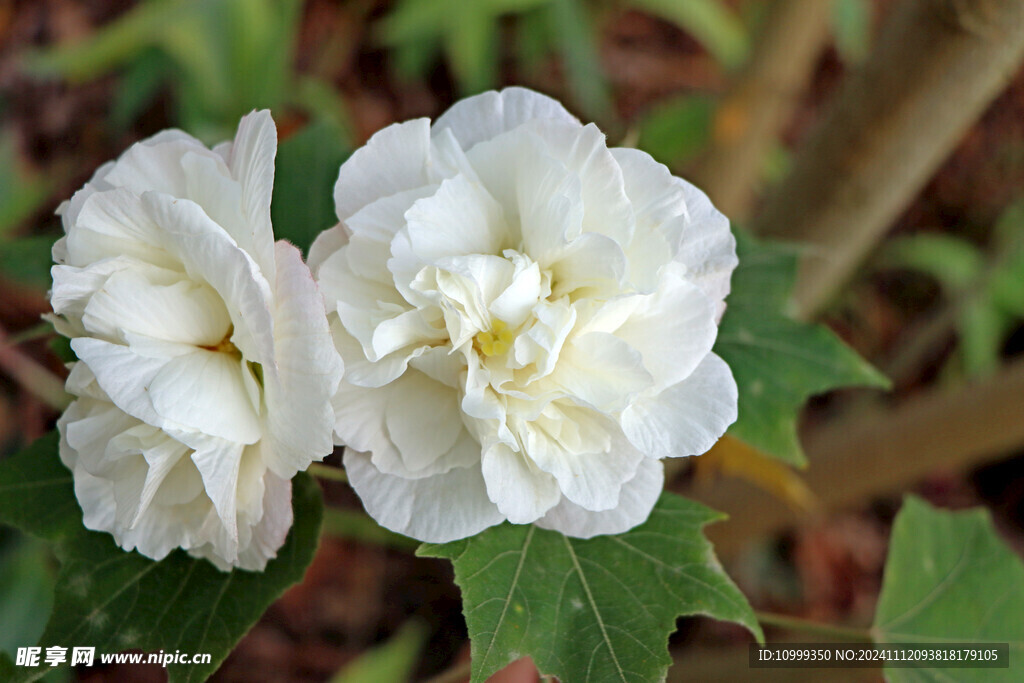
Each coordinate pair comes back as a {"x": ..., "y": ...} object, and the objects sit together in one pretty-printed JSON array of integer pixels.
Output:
[
  {"x": 327, "y": 472},
  {"x": 861, "y": 635},
  {"x": 358, "y": 527}
]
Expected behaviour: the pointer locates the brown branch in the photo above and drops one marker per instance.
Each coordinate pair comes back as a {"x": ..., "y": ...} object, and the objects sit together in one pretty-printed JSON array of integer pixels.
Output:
[
  {"x": 937, "y": 65},
  {"x": 883, "y": 451},
  {"x": 760, "y": 102}
]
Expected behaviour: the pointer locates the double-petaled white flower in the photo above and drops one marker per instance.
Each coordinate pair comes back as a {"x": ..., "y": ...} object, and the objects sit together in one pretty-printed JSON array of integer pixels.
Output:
[
  {"x": 526, "y": 319},
  {"x": 206, "y": 365}
]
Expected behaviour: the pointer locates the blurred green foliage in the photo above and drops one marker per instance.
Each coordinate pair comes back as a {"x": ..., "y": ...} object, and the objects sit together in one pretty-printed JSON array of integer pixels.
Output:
[
  {"x": 221, "y": 59},
  {"x": 984, "y": 289},
  {"x": 21, "y": 189},
  {"x": 468, "y": 35},
  {"x": 393, "y": 662},
  {"x": 674, "y": 131},
  {"x": 851, "y": 26}
]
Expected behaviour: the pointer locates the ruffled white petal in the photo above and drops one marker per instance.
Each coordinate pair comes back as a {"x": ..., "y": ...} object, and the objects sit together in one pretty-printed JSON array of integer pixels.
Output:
[
  {"x": 636, "y": 500},
  {"x": 393, "y": 160},
  {"x": 308, "y": 370},
  {"x": 492, "y": 113},
  {"x": 437, "y": 509},
  {"x": 687, "y": 418},
  {"x": 520, "y": 489}
]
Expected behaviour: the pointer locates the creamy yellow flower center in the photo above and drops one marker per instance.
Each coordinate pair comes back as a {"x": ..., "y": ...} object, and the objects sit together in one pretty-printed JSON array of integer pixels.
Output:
[
  {"x": 225, "y": 345},
  {"x": 495, "y": 341}
]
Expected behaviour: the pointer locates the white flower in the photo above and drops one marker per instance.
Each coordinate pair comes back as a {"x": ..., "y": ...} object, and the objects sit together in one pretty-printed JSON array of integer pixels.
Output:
[
  {"x": 526, "y": 319},
  {"x": 206, "y": 364}
]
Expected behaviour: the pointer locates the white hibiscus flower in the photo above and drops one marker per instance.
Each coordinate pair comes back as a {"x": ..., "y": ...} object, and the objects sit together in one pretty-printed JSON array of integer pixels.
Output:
[
  {"x": 526, "y": 319},
  {"x": 206, "y": 364}
]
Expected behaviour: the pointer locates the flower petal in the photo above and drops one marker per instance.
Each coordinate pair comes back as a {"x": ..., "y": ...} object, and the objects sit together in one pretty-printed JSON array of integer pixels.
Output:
[
  {"x": 522, "y": 492},
  {"x": 437, "y": 509},
  {"x": 393, "y": 160},
  {"x": 185, "y": 312},
  {"x": 422, "y": 419},
  {"x": 636, "y": 500},
  {"x": 687, "y": 418},
  {"x": 589, "y": 474},
  {"x": 697, "y": 232},
  {"x": 270, "y": 533},
  {"x": 673, "y": 329},
  {"x": 308, "y": 370},
  {"x": 204, "y": 391},
  {"x": 601, "y": 370},
  {"x": 115, "y": 224},
  {"x": 209, "y": 254},
  {"x": 460, "y": 218},
  {"x": 251, "y": 160},
  {"x": 219, "y": 462},
  {"x": 489, "y": 114}
]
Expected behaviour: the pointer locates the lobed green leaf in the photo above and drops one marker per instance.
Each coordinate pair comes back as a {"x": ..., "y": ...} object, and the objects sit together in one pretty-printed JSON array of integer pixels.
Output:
[
  {"x": 950, "y": 579},
  {"x": 599, "y": 609},
  {"x": 778, "y": 362}
]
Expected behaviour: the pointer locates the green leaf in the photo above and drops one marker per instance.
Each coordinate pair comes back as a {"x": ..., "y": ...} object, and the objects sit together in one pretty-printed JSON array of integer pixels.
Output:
[
  {"x": 591, "y": 610},
  {"x": 307, "y": 168},
  {"x": 36, "y": 492},
  {"x": 26, "y": 590},
  {"x": 778, "y": 362},
  {"x": 673, "y": 132},
  {"x": 27, "y": 260},
  {"x": 115, "y": 600},
  {"x": 392, "y": 662},
  {"x": 954, "y": 262},
  {"x": 711, "y": 22},
  {"x": 949, "y": 578}
]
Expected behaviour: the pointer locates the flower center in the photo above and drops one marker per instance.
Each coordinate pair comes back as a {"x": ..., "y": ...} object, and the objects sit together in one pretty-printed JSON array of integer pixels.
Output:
[
  {"x": 225, "y": 345},
  {"x": 495, "y": 341}
]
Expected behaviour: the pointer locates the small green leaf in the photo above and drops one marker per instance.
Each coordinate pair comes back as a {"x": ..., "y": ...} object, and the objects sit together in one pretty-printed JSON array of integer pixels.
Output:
[
  {"x": 591, "y": 610},
  {"x": 949, "y": 578},
  {"x": 778, "y": 362},
  {"x": 711, "y": 22},
  {"x": 115, "y": 600},
  {"x": 673, "y": 132},
  {"x": 27, "y": 260},
  {"x": 392, "y": 662},
  {"x": 307, "y": 168}
]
